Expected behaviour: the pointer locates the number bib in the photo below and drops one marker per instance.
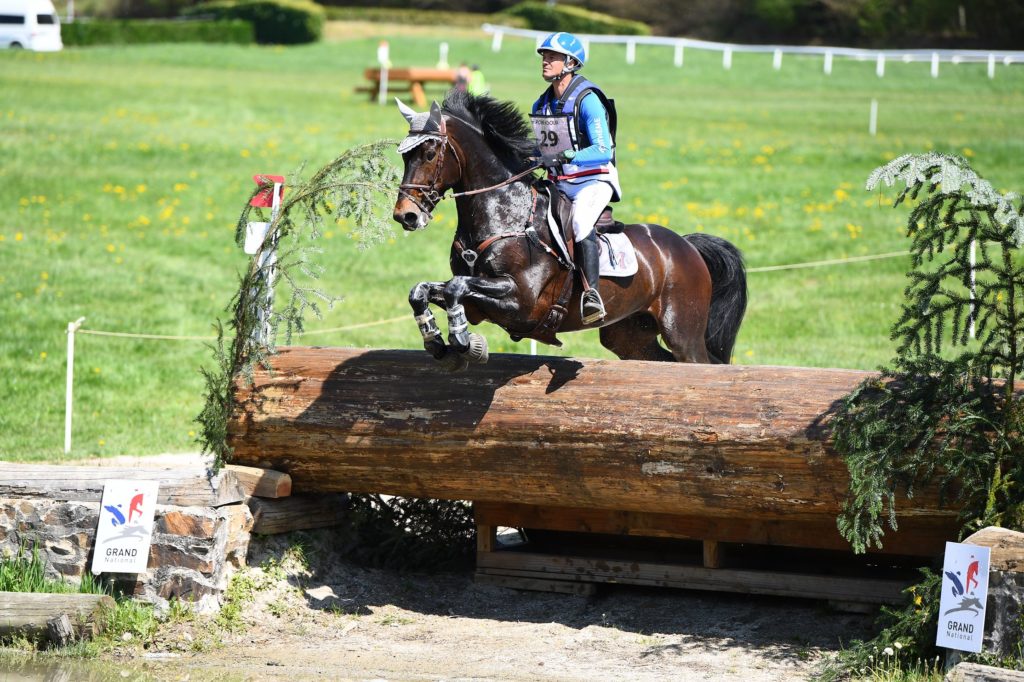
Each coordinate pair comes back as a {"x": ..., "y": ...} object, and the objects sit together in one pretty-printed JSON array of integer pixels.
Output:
[{"x": 552, "y": 133}]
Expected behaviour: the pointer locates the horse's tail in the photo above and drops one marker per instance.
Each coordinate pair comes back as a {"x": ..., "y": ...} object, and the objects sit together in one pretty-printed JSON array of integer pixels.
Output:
[{"x": 728, "y": 293}]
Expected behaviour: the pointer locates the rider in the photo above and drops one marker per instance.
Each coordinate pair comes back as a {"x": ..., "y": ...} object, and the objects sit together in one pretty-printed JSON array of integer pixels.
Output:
[{"x": 574, "y": 123}]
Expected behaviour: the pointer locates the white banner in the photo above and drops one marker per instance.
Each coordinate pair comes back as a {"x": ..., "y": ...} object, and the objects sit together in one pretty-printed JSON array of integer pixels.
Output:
[
  {"x": 964, "y": 593},
  {"x": 125, "y": 528}
]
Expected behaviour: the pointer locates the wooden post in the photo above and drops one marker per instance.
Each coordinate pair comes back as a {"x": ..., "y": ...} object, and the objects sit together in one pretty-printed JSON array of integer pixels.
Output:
[{"x": 712, "y": 556}]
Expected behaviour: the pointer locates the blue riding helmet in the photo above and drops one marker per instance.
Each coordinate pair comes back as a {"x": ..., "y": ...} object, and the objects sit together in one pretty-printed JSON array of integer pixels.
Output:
[{"x": 564, "y": 43}]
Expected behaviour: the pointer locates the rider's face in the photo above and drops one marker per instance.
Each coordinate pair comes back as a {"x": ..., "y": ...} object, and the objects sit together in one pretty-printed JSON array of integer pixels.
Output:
[{"x": 552, "y": 63}]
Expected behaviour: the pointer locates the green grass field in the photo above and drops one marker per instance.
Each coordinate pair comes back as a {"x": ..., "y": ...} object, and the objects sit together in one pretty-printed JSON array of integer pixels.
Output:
[{"x": 124, "y": 169}]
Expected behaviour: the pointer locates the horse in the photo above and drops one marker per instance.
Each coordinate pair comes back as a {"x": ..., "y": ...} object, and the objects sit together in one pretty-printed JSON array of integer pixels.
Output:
[{"x": 690, "y": 291}]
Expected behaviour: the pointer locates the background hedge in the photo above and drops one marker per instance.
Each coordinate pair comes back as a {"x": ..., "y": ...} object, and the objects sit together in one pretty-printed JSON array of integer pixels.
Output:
[
  {"x": 420, "y": 17},
  {"x": 543, "y": 17},
  {"x": 277, "y": 22},
  {"x": 124, "y": 32}
]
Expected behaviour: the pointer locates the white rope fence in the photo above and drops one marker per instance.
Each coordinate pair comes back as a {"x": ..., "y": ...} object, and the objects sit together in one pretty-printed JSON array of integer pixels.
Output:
[{"x": 828, "y": 54}]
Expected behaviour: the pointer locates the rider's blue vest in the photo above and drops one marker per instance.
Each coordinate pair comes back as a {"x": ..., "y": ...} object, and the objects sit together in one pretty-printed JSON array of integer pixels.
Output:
[{"x": 579, "y": 86}]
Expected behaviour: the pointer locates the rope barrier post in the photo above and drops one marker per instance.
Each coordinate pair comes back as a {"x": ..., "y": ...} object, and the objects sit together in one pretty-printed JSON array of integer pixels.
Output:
[
  {"x": 880, "y": 65},
  {"x": 72, "y": 328},
  {"x": 496, "y": 41},
  {"x": 777, "y": 59},
  {"x": 991, "y": 66},
  {"x": 678, "y": 59},
  {"x": 828, "y": 63},
  {"x": 384, "y": 59},
  {"x": 935, "y": 64},
  {"x": 727, "y": 58},
  {"x": 630, "y": 51},
  {"x": 873, "y": 118}
]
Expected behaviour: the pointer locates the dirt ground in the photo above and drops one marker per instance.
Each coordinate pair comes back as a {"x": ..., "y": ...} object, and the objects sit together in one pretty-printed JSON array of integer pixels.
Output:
[{"x": 315, "y": 615}]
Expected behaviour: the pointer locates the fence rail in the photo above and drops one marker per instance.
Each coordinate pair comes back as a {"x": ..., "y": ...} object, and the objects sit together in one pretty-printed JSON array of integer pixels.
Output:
[{"x": 880, "y": 57}]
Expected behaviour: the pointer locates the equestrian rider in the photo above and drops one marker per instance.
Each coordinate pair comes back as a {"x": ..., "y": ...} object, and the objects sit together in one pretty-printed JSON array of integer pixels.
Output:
[{"x": 574, "y": 123}]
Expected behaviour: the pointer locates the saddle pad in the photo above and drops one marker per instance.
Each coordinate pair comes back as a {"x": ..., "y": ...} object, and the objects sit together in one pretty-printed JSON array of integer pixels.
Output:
[{"x": 618, "y": 257}]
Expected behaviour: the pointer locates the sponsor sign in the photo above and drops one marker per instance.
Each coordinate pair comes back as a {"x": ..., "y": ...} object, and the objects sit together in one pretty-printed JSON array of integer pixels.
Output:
[
  {"x": 125, "y": 528},
  {"x": 964, "y": 593}
]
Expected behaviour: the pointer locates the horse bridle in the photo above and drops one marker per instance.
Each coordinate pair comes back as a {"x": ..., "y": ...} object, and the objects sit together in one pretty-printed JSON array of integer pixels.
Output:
[{"x": 434, "y": 194}]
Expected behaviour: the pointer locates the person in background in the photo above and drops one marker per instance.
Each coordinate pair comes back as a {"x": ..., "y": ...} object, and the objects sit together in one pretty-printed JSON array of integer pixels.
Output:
[
  {"x": 477, "y": 82},
  {"x": 575, "y": 127},
  {"x": 462, "y": 77}
]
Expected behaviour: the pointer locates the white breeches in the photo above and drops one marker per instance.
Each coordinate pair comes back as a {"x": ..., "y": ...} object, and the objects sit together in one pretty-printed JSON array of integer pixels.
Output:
[{"x": 588, "y": 200}]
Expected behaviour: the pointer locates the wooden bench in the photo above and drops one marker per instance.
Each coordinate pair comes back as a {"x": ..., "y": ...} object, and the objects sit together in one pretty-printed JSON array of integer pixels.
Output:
[{"x": 410, "y": 79}]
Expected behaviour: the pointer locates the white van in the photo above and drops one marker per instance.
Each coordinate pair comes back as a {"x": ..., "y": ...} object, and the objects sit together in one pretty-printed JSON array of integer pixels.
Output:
[{"x": 31, "y": 24}]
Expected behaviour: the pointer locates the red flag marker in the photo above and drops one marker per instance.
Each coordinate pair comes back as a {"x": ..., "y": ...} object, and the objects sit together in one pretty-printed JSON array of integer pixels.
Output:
[{"x": 265, "y": 197}]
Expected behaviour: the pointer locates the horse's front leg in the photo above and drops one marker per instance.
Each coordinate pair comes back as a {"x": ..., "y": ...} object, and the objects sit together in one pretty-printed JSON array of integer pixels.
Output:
[
  {"x": 491, "y": 295},
  {"x": 420, "y": 298}
]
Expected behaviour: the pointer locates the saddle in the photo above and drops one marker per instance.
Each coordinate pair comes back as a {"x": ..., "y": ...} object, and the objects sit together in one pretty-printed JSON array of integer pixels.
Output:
[{"x": 562, "y": 210}]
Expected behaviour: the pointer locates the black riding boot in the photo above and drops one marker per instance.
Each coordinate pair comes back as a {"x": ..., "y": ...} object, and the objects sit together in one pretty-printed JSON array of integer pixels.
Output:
[{"x": 591, "y": 305}]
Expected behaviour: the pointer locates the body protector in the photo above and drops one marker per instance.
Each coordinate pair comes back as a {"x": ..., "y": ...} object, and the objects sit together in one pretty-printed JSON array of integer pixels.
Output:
[{"x": 584, "y": 121}]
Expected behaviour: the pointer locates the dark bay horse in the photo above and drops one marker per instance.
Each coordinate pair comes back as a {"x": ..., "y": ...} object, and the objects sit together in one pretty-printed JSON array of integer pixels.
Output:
[{"x": 691, "y": 291}]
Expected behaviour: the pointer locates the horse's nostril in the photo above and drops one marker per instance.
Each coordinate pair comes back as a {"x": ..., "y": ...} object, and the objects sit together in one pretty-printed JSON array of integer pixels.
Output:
[{"x": 409, "y": 218}]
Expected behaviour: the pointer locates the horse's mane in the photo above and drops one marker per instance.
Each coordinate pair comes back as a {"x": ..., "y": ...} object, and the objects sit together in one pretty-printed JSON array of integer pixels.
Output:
[{"x": 505, "y": 130}]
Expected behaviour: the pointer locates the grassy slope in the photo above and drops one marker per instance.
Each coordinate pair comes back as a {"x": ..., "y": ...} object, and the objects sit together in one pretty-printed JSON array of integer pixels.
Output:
[{"x": 124, "y": 169}]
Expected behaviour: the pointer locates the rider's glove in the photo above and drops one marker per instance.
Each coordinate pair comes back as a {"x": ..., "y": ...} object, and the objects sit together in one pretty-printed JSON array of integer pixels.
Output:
[{"x": 553, "y": 162}]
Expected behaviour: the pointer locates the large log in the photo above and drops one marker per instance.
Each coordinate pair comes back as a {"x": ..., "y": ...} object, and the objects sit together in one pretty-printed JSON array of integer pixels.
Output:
[
  {"x": 724, "y": 442},
  {"x": 30, "y": 613}
]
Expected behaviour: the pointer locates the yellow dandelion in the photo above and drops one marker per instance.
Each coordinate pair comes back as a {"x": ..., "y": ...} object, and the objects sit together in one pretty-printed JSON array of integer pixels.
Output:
[
  {"x": 184, "y": 146},
  {"x": 96, "y": 370},
  {"x": 42, "y": 355},
  {"x": 44, "y": 276},
  {"x": 143, "y": 146},
  {"x": 760, "y": 159},
  {"x": 101, "y": 442},
  {"x": 841, "y": 195},
  {"x": 749, "y": 353},
  {"x": 18, "y": 236},
  {"x": 246, "y": 153},
  {"x": 180, "y": 187},
  {"x": 767, "y": 150},
  {"x": 111, "y": 248},
  {"x": 758, "y": 212},
  {"x": 23, "y": 201},
  {"x": 968, "y": 152}
]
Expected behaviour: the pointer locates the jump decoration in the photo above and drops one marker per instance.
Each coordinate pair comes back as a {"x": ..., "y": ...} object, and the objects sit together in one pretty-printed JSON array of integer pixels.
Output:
[
  {"x": 934, "y": 416},
  {"x": 358, "y": 186}
]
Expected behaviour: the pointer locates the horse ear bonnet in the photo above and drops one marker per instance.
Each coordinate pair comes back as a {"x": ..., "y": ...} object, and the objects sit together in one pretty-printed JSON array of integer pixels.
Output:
[{"x": 423, "y": 126}]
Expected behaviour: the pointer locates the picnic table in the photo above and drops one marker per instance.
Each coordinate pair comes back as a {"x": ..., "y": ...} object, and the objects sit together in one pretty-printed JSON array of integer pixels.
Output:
[{"x": 410, "y": 79}]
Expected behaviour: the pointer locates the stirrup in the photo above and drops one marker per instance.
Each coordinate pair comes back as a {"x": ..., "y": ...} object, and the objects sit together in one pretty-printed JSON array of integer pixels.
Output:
[{"x": 591, "y": 300}]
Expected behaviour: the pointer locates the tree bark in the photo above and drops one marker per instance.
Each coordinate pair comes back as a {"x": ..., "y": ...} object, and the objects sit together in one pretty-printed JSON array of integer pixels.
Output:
[{"x": 728, "y": 442}]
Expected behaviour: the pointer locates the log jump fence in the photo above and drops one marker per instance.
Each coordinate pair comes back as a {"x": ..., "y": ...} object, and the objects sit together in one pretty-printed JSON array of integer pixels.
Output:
[{"x": 732, "y": 459}]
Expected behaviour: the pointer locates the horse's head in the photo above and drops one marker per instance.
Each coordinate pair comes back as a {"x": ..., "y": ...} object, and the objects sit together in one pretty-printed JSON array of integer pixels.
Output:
[{"x": 431, "y": 167}]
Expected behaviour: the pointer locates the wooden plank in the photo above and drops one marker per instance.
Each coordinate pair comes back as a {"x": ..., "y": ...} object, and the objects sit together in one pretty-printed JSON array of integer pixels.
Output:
[
  {"x": 804, "y": 585},
  {"x": 28, "y": 613},
  {"x": 262, "y": 482},
  {"x": 917, "y": 536},
  {"x": 298, "y": 512},
  {"x": 712, "y": 554},
  {"x": 486, "y": 538},
  {"x": 536, "y": 584},
  {"x": 705, "y": 441},
  {"x": 188, "y": 487}
]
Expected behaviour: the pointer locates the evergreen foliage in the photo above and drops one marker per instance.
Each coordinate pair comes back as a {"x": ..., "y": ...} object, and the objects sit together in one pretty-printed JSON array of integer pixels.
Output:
[
  {"x": 120, "y": 32},
  {"x": 355, "y": 186},
  {"x": 930, "y": 418},
  {"x": 546, "y": 17},
  {"x": 935, "y": 418}
]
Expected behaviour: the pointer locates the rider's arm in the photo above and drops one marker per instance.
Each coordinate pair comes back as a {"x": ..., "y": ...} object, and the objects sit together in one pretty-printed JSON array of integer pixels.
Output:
[{"x": 594, "y": 119}]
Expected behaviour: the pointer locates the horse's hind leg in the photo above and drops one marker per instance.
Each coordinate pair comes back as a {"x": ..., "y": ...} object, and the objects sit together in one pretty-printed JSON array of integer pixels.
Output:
[
  {"x": 635, "y": 338},
  {"x": 682, "y": 327}
]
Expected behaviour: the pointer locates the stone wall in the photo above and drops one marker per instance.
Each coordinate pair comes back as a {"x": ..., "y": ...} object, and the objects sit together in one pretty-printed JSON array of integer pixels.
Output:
[{"x": 195, "y": 548}]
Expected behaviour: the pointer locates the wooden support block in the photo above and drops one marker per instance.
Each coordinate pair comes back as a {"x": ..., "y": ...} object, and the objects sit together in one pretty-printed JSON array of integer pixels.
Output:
[
  {"x": 298, "y": 512},
  {"x": 536, "y": 584},
  {"x": 712, "y": 556},
  {"x": 184, "y": 487},
  {"x": 30, "y": 613},
  {"x": 418, "y": 96},
  {"x": 486, "y": 538},
  {"x": 785, "y": 584},
  {"x": 257, "y": 482}
]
